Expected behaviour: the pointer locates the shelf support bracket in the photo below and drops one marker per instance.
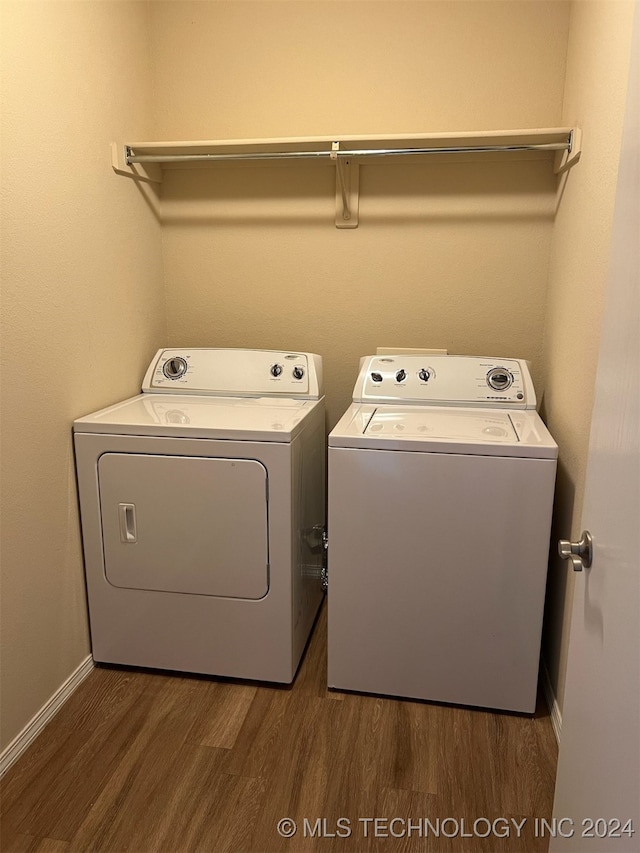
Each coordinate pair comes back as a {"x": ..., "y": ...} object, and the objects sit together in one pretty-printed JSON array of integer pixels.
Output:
[
  {"x": 566, "y": 159},
  {"x": 347, "y": 189},
  {"x": 150, "y": 173}
]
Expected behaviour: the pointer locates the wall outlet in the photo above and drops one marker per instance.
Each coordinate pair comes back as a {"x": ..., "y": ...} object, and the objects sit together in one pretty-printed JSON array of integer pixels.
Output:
[{"x": 410, "y": 351}]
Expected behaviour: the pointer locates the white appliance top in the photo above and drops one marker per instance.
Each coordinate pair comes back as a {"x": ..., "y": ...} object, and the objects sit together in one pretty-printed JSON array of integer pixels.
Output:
[
  {"x": 480, "y": 432},
  {"x": 445, "y": 380},
  {"x": 173, "y": 416},
  {"x": 445, "y": 404},
  {"x": 232, "y": 394},
  {"x": 235, "y": 373}
]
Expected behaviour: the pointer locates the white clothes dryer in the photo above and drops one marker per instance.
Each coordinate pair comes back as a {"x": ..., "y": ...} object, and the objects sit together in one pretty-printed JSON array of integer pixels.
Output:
[
  {"x": 203, "y": 508},
  {"x": 441, "y": 484}
]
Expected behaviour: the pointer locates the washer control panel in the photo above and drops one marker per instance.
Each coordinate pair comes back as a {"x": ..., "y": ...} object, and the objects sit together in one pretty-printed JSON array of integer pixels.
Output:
[
  {"x": 451, "y": 380},
  {"x": 235, "y": 372}
]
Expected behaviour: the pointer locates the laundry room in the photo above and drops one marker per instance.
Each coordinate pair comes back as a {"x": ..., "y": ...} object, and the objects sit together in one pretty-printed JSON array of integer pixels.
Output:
[{"x": 501, "y": 254}]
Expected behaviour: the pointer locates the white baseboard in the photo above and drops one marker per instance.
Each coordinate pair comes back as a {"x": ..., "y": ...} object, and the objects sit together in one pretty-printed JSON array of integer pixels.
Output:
[
  {"x": 29, "y": 733},
  {"x": 552, "y": 702}
]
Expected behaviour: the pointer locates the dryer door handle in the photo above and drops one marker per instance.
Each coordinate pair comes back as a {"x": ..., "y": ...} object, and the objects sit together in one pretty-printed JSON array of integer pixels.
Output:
[{"x": 127, "y": 515}]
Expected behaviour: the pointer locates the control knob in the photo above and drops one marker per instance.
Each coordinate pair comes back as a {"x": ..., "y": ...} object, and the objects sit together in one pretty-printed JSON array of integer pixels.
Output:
[
  {"x": 174, "y": 367},
  {"x": 401, "y": 375},
  {"x": 298, "y": 372},
  {"x": 276, "y": 370},
  {"x": 499, "y": 379},
  {"x": 424, "y": 374},
  {"x": 377, "y": 377}
]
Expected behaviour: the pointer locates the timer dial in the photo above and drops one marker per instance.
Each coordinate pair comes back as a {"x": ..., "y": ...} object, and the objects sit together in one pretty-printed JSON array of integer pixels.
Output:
[
  {"x": 499, "y": 379},
  {"x": 174, "y": 367}
]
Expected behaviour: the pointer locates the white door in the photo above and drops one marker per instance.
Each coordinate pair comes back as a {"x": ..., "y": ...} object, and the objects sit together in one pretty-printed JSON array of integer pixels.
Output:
[
  {"x": 598, "y": 790},
  {"x": 186, "y": 524}
]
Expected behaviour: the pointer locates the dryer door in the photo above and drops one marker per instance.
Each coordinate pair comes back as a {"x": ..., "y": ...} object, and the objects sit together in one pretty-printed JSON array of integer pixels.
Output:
[{"x": 185, "y": 524}]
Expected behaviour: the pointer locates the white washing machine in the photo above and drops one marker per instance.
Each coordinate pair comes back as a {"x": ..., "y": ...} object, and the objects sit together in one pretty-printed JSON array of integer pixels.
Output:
[
  {"x": 203, "y": 506},
  {"x": 441, "y": 484}
]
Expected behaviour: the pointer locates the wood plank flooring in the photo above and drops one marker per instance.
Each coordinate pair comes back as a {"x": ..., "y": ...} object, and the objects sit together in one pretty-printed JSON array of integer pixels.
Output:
[{"x": 157, "y": 763}]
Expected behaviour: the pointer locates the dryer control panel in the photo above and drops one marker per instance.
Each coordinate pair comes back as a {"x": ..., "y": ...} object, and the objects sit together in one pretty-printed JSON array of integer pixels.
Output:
[
  {"x": 446, "y": 380},
  {"x": 236, "y": 373}
]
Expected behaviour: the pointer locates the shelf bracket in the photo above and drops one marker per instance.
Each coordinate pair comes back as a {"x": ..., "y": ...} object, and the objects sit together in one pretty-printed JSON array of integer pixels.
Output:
[
  {"x": 347, "y": 189},
  {"x": 566, "y": 159},
  {"x": 150, "y": 173}
]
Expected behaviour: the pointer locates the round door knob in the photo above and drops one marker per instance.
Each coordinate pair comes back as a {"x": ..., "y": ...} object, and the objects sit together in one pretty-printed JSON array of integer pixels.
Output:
[{"x": 580, "y": 553}]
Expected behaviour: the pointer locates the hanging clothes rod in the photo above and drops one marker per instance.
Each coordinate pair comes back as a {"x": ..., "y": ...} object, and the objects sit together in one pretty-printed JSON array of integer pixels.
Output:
[
  {"x": 142, "y": 161},
  {"x": 132, "y": 157}
]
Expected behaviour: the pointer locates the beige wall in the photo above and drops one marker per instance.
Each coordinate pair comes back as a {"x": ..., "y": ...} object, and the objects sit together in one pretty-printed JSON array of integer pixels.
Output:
[
  {"x": 446, "y": 255},
  {"x": 82, "y": 307},
  {"x": 596, "y": 83},
  {"x": 273, "y": 68}
]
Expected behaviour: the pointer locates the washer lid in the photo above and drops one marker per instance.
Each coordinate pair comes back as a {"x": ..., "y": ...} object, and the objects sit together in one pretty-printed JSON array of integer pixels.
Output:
[
  {"x": 230, "y": 418},
  {"x": 479, "y": 432},
  {"x": 432, "y": 424}
]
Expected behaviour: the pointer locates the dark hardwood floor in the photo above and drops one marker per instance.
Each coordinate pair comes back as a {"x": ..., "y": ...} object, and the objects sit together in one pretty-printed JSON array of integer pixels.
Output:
[{"x": 158, "y": 763}]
